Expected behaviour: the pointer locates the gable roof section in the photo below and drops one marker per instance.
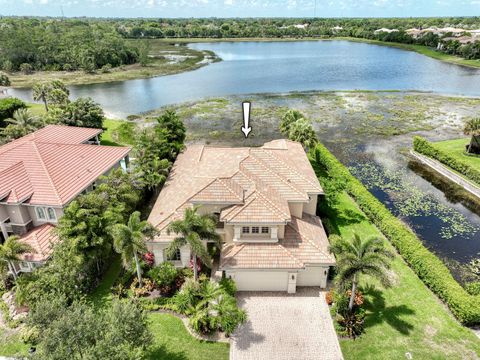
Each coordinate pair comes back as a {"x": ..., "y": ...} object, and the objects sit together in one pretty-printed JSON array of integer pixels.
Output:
[
  {"x": 15, "y": 185},
  {"x": 55, "y": 171},
  {"x": 41, "y": 239},
  {"x": 220, "y": 190}
]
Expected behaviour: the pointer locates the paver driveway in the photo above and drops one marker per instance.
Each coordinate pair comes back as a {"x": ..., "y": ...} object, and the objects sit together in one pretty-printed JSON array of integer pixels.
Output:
[{"x": 285, "y": 327}]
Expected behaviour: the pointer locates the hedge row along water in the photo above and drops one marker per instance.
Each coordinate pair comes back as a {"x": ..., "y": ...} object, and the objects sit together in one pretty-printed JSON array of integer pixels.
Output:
[
  {"x": 425, "y": 147},
  {"x": 426, "y": 265}
]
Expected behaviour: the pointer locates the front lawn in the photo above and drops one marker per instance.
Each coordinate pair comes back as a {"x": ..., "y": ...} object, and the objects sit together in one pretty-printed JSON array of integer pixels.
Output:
[
  {"x": 404, "y": 318},
  {"x": 173, "y": 342},
  {"x": 456, "y": 149}
]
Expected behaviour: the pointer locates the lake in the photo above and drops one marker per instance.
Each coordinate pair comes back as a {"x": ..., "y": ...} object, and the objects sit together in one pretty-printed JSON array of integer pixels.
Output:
[{"x": 259, "y": 67}]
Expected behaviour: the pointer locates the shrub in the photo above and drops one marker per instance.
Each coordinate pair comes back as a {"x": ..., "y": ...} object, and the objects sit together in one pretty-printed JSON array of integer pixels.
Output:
[
  {"x": 429, "y": 268},
  {"x": 351, "y": 323},
  {"x": 8, "y": 106},
  {"x": 229, "y": 286},
  {"x": 163, "y": 275},
  {"x": 30, "y": 334},
  {"x": 473, "y": 288},
  {"x": 425, "y": 147},
  {"x": 26, "y": 68},
  {"x": 4, "y": 80},
  {"x": 329, "y": 296},
  {"x": 106, "y": 68}
]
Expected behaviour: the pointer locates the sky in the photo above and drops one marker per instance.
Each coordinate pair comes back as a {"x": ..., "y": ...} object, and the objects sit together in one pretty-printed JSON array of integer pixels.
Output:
[{"x": 241, "y": 8}]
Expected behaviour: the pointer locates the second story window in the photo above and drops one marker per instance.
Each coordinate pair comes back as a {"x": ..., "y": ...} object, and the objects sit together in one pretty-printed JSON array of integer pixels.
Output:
[
  {"x": 245, "y": 230},
  {"x": 265, "y": 229},
  {"x": 46, "y": 213},
  {"x": 255, "y": 230}
]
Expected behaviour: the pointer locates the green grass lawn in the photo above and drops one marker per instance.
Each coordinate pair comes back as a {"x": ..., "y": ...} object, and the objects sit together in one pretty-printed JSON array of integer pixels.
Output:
[
  {"x": 173, "y": 342},
  {"x": 456, "y": 148},
  {"x": 404, "y": 318},
  {"x": 12, "y": 345},
  {"x": 110, "y": 126}
]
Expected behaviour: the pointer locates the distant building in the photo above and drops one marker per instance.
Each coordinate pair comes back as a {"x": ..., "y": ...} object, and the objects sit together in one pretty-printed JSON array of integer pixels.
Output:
[{"x": 385, "y": 30}]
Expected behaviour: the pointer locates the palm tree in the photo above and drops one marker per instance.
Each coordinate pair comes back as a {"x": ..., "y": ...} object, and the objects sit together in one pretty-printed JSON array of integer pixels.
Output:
[
  {"x": 23, "y": 119},
  {"x": 40, "y": 92},
  {"x": 289, "y": 118},
  {"x": 11, "y": 250},
  {"x": 359, "y": 256},
  {"x": 472, "y": 128},
  {"x": 129, "y": 241},
  {"x": 302, "y": 132},
  {"x": 192, "y": 230},
  {"x": 155, "y": 173}
]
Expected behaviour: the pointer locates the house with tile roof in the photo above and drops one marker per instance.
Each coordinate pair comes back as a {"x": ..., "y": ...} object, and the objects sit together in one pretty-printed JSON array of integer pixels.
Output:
[
  {"x": 265, "y": 200},
  {"x": 40, "y": 174}
]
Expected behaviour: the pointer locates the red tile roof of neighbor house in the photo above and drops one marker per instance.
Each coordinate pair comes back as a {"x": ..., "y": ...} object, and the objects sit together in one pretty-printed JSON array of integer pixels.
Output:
[
  {"x": 41, "y": 239},
  {"x": 53, "y": 165}
]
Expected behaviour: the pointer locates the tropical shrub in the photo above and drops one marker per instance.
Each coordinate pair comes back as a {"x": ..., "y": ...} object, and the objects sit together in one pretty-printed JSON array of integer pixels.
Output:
[
  {"x": 164, "y": 276},
  {"x": 428, "y": 267},
  {"x": 473, "y": 288},
  {"x": 8, "y": 106},
  {"x": 229, "y": 286},
  {"x": 425, "y": 147},
  {"x": 348, "y": 323}
]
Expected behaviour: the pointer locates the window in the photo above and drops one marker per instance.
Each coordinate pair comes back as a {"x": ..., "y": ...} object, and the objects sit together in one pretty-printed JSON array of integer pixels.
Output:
[
  {"x": 175, "y": 257},
  {"x": 245, "y": 230},
  {"x": 41, "y": 213},
  {"x": 46, "y": 213},
  {"x": 51, "y": 214},
  {"x": 255, "y": 230},
  {"x": 265, "y": 229}
]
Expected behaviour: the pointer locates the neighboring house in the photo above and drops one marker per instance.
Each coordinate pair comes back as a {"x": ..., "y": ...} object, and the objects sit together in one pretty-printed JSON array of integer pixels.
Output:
[
  {"x": 265, "y": 200},
  {"x": 40, "y": 174}
]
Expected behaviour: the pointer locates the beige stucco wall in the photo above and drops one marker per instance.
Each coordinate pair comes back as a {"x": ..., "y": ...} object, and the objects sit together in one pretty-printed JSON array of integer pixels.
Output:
[
  {"x": 281, "y": 231},
  {"x": 311, "y": 207},
  {"x": 36, "y": 221},
  {"x": 18, "y": 214},
  {"x": 3, "y": 213},
  {"x": 158, "y": 251},
  {"x": 228, "y": 236},
  {"x": 296, "y": 209}
]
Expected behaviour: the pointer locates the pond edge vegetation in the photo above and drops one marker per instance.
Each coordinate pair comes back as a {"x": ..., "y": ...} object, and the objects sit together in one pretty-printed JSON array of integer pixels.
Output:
[
  {"x": 428, "y": 267},
  {"x": 425, "y": 147}
]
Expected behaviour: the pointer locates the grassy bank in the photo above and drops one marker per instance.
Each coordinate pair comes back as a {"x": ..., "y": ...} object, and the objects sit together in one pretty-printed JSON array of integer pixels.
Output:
[
  {"x": 456, "y": 148},
  {"x": 165, "y": 59},
  {"x": 404, "y": 318}
]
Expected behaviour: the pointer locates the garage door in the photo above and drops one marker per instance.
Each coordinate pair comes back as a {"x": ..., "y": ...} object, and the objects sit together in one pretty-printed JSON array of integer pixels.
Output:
[
  {"x": 260, "y": 281},
  {"x": 312, "y": 276}
]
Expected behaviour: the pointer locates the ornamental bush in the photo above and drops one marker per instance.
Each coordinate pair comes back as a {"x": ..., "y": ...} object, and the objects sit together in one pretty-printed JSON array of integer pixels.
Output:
[
  {"x": 8, "y": 106},
  {"x": 426, "y": 148},
  {"x": 428, "y": 267}
]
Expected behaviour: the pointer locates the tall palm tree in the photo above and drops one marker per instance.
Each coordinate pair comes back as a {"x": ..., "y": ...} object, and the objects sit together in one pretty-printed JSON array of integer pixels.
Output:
[
  {"x": 356, "y": 257},
  {"x": 192, "y": 230},
  {"x": 155, "y": 173},
  {"x": 24, "y": 119},
  {"x": 11, "y": 250},
  {"x": 302, "y": 132},
  {"x": 40, "y": 93},
  {"x": 472, "y": 128},
  {"x": 129, "y": 241}
]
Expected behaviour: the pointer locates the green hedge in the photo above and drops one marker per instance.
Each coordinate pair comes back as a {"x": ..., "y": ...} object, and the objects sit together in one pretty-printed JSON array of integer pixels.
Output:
[
  {"x": 429, "y": 268},
  {"x": 425, "y": 147}
]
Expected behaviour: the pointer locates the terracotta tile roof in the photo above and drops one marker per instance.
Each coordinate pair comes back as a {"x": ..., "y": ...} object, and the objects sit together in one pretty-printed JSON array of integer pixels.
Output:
[
  {"x": 41, "y": 239},
  {"x": 305, "y": 243},
  {"x": 54, "y": 171},
  {"x": 220, "y": 190},
  {"x": 278, "y": 172}
]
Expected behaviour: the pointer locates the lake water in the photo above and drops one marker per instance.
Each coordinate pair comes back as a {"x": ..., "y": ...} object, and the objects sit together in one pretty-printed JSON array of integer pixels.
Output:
[{"x": 257, "y": 67}]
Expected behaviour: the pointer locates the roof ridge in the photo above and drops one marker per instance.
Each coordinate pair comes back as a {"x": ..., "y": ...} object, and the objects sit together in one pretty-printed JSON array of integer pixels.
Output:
[
  {"x": 291, "y": 255},
  {"x": 273, "y": 204},
  {"x": 304, "y": 237},
  {"x": 44, "y": 166},
  {"x": 270, "y": 152},
  {"x": 229, "y": 188},
  {"x": 273, "y": 172}
]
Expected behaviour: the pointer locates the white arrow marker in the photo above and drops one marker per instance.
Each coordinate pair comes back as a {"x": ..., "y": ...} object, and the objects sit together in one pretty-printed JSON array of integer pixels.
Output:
[{"x": 246, "y": 128}]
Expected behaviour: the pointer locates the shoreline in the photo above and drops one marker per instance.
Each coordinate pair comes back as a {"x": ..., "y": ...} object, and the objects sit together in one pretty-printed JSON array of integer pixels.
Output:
[{"x": 206, "y": 58}]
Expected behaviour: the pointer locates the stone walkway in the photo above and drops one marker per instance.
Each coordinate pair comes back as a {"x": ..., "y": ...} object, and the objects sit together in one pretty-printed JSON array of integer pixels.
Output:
[{"x": 285, "y": 327}]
